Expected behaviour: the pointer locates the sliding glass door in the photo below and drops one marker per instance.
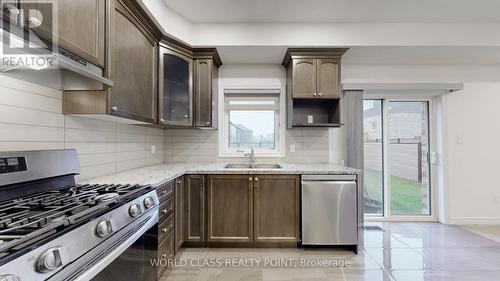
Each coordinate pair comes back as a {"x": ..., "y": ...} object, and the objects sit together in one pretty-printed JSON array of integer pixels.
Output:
[
  {"x": 397, "y": 152},
  {"x": 374, "y": 158}
]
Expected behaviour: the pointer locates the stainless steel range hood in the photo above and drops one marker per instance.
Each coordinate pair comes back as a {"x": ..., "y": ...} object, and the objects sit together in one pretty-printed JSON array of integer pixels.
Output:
[{"x": 69, "y": 72}]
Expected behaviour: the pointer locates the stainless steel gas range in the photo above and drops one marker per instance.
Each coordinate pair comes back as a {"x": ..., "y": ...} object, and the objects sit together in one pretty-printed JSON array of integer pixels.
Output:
[{"x": 53, "y": 229}]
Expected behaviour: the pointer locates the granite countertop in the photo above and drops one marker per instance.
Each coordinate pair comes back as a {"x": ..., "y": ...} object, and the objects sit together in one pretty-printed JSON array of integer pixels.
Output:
[{"x": 160, "y": 174}]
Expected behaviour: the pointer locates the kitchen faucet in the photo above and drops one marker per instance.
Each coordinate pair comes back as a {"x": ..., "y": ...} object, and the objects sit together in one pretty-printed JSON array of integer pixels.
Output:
[{"x": 251, "y": 156}]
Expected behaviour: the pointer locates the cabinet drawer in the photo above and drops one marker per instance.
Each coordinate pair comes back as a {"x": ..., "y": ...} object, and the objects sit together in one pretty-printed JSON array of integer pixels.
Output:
[
  {"x": 165, "y": 191},
  {"x": 165, "y": 251},
  {"x": 165, "y": 228},
  {"x": 166, "y": 208}
]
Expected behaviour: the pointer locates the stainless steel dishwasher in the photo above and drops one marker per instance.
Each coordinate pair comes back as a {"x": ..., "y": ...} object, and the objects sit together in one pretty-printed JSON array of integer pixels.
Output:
[{"x": 329, "y": 210}]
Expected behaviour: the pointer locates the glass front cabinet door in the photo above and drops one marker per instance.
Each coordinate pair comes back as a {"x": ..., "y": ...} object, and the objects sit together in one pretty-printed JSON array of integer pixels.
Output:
[{"x": 175, "y": 89}]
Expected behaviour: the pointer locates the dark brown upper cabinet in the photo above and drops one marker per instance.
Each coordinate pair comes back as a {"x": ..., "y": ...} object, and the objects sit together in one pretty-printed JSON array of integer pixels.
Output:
[
  {"x": 131, "y": 63},
  {"x": 175, "y": 88},
  {"x": 328, "y": 79},
  {"x": 313, "y": 87},
  {"x": 314, "y": 73},
  {"x": 206, "y": 69},
  {"x": 304, "y": 78},
  {"x": 80, "y": 29},
  {"x": 134, "y": 53}
]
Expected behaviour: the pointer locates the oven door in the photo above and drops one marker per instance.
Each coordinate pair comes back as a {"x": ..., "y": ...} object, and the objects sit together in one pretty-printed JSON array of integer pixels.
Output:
[
  {"x": 124, "y": 256},
  {"x": 133, "y": 264}
]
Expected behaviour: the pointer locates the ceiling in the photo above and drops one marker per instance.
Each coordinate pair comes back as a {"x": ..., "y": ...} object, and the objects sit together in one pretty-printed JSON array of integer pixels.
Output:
[
  {"x": 374, "y": 55},
  {"x": 272, "y": 11}
]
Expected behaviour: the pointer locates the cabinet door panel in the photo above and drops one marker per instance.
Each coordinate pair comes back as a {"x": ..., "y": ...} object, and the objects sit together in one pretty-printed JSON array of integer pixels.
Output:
[
  {"x": 304, "y": 78},
  {"x": 230, "y": 208},
  {"x": 179, "y": 214},
  {"x": 203, "y": 92},
  {"x": 276, "y": 211},
  {"x": 194, "y": 204},
  {"x": 133, "y": 69},
  {"x": 80, "y": 26},
  {"x": 176, "y": 96},
  {"x": 328, "y": 78}
]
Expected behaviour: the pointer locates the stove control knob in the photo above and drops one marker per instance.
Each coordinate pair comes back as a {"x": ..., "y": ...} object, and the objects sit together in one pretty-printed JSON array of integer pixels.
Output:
[
  {"x": 104, "y": 229},
  {"x": 149, "y": 202},
  {"x": 49, "y": 260},
  {"x": 134, "y": 210},
  {"x": 9, "y": 277}
]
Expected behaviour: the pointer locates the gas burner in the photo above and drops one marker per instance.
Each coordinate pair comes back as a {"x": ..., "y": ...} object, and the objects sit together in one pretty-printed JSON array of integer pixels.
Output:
[{"x": 106, "y": 197}]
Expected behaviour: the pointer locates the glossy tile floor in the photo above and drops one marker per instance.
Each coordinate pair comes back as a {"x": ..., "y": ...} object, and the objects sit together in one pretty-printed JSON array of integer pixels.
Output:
[{"x": 403, "y": 251}]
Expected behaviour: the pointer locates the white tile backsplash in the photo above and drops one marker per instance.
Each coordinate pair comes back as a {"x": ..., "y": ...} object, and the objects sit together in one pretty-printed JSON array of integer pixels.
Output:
[
  {"x": 31, "y": 118},
  {"x": 311, "y": 146}
]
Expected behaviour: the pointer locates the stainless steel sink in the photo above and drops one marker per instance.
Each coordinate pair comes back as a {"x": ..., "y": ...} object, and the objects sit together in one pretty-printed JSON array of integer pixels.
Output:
[
  {"x": 267, "y": 166},
  {"x": 238, "y": 166},
  {"x": 254, "y": 166}
]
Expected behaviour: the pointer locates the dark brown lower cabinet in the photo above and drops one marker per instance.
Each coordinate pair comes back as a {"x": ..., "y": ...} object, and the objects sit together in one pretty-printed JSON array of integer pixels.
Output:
[
  {"x": 179, "y": 213},
  {"x": 194, "y": 208},
  {"x": 276, "y": 208},
  {"x": 165, "y": 251},
  {"x": 230, "y": 208}
]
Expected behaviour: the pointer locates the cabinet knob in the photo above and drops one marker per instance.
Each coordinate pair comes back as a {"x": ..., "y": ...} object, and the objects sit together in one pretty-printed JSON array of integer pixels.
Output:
[
  {"x": 164, "y": 230},
  {"x": 164, "y": 256},
  {"x": 164, "y": 211},
  {"x": 162, "y": 120},
  {"x": 114, "y": 108},
  {"x": 256, "y": 179},
  {"x": 319, "y": 94},
  {"x": 314, "y": 94},
  {"x": 208, "y": 123},
  {"x": 250, "y": 179},
  {"x": 33, "y": 22}
]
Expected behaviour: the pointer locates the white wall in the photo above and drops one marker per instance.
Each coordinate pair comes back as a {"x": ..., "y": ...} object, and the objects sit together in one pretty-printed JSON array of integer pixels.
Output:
[
  {"x": 473, "y": 153},
  {"x": 31, "y": 118}
]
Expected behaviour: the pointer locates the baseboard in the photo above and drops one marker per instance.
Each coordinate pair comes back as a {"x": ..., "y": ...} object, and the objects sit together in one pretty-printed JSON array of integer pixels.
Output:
[{"x": 475, "y": 220}]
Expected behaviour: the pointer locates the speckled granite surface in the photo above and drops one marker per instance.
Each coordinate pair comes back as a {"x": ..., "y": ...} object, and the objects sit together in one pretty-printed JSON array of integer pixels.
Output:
[{"x": 159, "y": 174}]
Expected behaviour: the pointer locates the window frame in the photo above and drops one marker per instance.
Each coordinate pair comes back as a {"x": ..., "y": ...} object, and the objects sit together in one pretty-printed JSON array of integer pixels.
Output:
[{"x": 224, "y": 149}]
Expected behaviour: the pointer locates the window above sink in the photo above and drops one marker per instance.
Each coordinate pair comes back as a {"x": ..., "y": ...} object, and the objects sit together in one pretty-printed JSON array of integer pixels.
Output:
[{"x": 252, "y": 118}]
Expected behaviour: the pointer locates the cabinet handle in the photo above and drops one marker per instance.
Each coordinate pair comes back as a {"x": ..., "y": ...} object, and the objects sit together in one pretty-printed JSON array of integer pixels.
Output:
[
  {"x": 249, "y": 179},
  {"x": 164, "y": 192},
  {"x": 114, "y": 108}
]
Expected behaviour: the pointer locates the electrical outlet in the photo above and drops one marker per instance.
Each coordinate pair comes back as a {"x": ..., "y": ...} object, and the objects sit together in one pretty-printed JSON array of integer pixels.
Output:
[
  {"x": 459, "y": 140},
  {"x": 153, "y": 149},
  {"x": 292, "y": 147}
]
